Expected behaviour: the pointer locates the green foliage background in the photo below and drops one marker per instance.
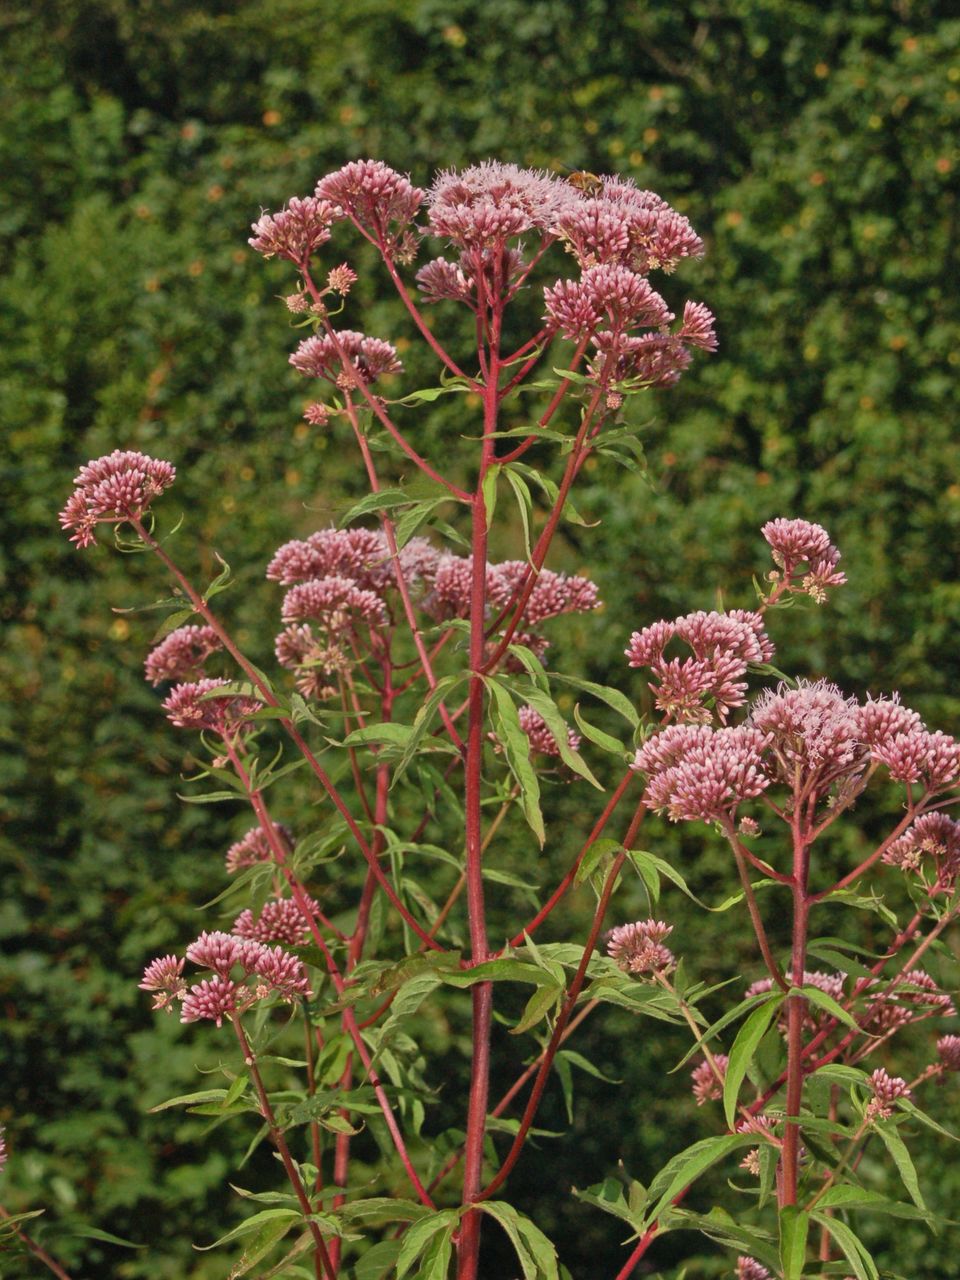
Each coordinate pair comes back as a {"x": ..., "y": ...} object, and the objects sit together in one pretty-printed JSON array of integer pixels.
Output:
[{"x": 815, "y": 148}]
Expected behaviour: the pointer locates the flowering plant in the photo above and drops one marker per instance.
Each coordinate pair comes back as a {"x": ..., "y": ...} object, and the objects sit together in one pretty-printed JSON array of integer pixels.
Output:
[{"x": 420, "y": 705}]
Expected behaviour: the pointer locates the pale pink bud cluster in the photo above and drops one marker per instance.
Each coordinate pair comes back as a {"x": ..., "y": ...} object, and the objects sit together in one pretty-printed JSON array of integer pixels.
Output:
[
  {"x": 3, "y": 1148},
  {"x": 341, "y": 279},
  {"x": 279, "y": 920},
  {"x": 933, "y": 836},
  {"x": 254, "y": 847},
  {"x": 164, "y": 977},
  {"x": 695, "y": 773},
  {"x": 912, "y": 997},
  {"x": 763, "y": 1126},
  {"x": 194, "y": 705},
  {"x": 638, "y": 947},
  {"x": 723, "y": 645},
  {"x": 918, "y": 756},
  {"x": 181, "y": 654},
  {"x": 317, "y": 414},
  {"x": 750, "y": 1269},
  {"x": 539, "y": 735},
  {"x": 345, "y": 357},
  {"x": 212, "y": 999},
  {"x": 813, "y": 731},
  {"x": 706, "y": 1087},
  {"x": 605, "y": 297},
  {"x": 552, "y": 595},
  {"x": 625, "y": 225},
  {"x": 830, "y": 984},
  {"x": 495, "y": 270},
  {"x": 806, "y": 557},
  {"x": 886, "y": 1090},
  {"x": 117, "y": 487},
  {"x": 948, "y": 1051},
  {"x": 382, "y": 201},
  {"x": 334, "y": 603},
  {"x": 486, "y": 205},
  {"x": 296, "y": 231}
]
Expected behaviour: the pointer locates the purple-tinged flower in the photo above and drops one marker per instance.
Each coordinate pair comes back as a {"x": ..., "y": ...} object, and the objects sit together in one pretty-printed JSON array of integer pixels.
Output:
[
  {"x": 664, "y": 750},
  {"x": 373, "y": 195},
  {"x": 345, "y": 356},
  {"x": 912, "y": 998},
  {"x": 333, "y": 603},
  {"x": 638, "y": 947},
  {"x": 608, "y": 295},
  {"x": 319, "y": 662},
  {"x": 830, "y": 984},
  {"x": 880, "y": 719},
  {"x": 190, "y": 706},
  {"x": 296, "y": 231},
  {"x": 698, "y": 329},
  {"x": 706, "y": 1086},
  {"x": 450, "y": 591},
  {"x": 813, "y": 730},
  {"x": 164, "y": 977},
  {"x": 317, "y": 414},
  {"x": 651, "y": 360},
  {"x": 933, "y": 835},
  {"x": 341, "y": 279},
  {"x": 552, "y": 595},
  {"x": 297, "y": 303},
  {"x": 539, "y": 735},
  {"x": 117, "y": 487},
  {"x": 932, "y": 759},
  {"x": 886, "y": 1090},
  {"x": 280, "y": 973},
  {"x": 798, "y": 543},
  {"x": 217, "y": 951},
  {"x": 3, "y": 1148},
  {"x": 750, "y": 1269},
  {"x": 948, "y": 1051},
  {"x": 280, "y": 920},
  {"x": 646, "y": 647},
  {"x": 254, "y": 847},
  {"x": 712, "y": 778},
  {"x": 739, "y": 632},
  {"x": 625, "y": 225},
  {"x": 181, "y": 654},
  {"x": 763, "y": 1127},
  {"x": 360, "y": 554},
  {"x": 485, "y": 205},
  {"x": 442, "y": 281},
  {"x": 214, "y": 998}
]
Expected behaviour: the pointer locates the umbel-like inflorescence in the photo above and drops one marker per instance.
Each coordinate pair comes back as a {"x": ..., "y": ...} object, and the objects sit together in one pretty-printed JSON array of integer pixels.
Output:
[{"x": 113, "y": 490}]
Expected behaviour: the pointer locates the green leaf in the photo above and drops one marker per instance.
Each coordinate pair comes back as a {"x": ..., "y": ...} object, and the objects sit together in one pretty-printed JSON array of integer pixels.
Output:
[
  {"x": 376, "y": 1211},
  {"x": 606, "y": 741},
  {"x": 603, "y": 848},
  {"x": 742, "y": 1051},
  {"x": 422, "y": 721},
  {"x": 385, "y": 500},
  {"x": 505, "y": 970},
  {"x": 548, "y": 710},
  {"x": 396, "y": 734},
  {"x": 820, "y": 998},
  {"x": 378, "y": 1262},
  {"x": 220, "y": 582},
  {"x": 516, "y": 748},
  {"x": 849, "y": 1197},
  {"x": 685, "y": 1167},
  {"x": 852, "y": 1247},
  {"x": 189, "y": 1099},
  {"x": 537, "y": 1256},
  {"x": 416, "y": 1239},
  {"x": 612, "y": 697},
  {"x": 524, "y": 503},
  {"x": 435, "y": 1259},
  {"x": 897, "y": 1148},
  {"x": 538, "y": 1006},
  {"x": 95, "y": 1233},
  {"x": 265, "y": 1241},
  {"x": 261, "y": 1219},
  {"x": 408, "y": 524},
  {"x": 488, "y": 490},
  {"x": 794, "y": 1225}
]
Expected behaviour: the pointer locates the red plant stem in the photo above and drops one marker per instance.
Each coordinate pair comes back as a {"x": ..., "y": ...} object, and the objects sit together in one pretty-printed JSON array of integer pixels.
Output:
[
  {"x": 536, "y": 1093},
  {"x": 322, "y": 1257},
  {"x": 468, "y": 1244},
  {"x": 38, "y": 1252},
  {"x": 571, "y": 875},
  {"x": 200, "y": 606},
  {"x": 796, "y": 1010},
  {"x": 550, "y": 410},
  {"x": 756, "y": 919},
  {"x": 419, "y": 321},
  {"x": 643, "y": 1244}
]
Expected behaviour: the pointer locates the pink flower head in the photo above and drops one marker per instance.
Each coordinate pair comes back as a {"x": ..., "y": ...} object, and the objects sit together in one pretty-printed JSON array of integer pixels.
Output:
[
  {"x": 254, "y": 847},
  {"x": 449, "y": 594},
  {"x": 712, "y": 777},
  {"x": 625, "y": 225},
  {"x": 191, "y": 706},
  {"x": 280, "y": 920},
  {"x": 750, "y": 1269},
  {"x": 181, "y": 654},
  {"x": 164, "y": 977},
  {"x": 317, "y": 414},
  {"x": 881, "y": 719},
  {"x": 341, "y": 279},
  {"x": 813, "y": 729},
  {"x": 933, "y": 836},
  {"x": 552, "y": 595},
  {"x": 487, "y": 204},
  {"x": 608, "y": 295},
  {"x": 112, "y": 489},
  {"x": 539, "y": 736},
  {"x": 441, "y": 281},
  {"x": 344, "y": 357},
  {"x": 706, "y": 1086},
  {"x": 798, "y": 543},
  {"x": 362, "y": 555},
  {"x": 382, "y": 201},
  {"x": 333, "y": 603},
  {"x": 638, "y": 947},
  {"x": 3, "y": 1148},
  {"x": 317, "y": 658},
  {"x": 214, "y": 998},
  {"x": 698, "y": 329},
  {"x": 296, "y": 231},
  {"x": 886, "y": 1090},
  {"x": 650, "y": 360},
  {"x": 932, "y": 759},
  {"x": 280, "y": 973},
  {"x": 948, "y": 1051},
  {"x": 216, "y": 951}
]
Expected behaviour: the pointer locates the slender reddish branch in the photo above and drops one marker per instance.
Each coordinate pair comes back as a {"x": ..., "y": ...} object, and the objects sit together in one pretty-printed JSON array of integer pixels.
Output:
[{"x": 37, "y": 1250}]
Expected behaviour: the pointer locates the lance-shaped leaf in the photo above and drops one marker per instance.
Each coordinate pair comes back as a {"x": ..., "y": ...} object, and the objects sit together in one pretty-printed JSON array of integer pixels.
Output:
[
  {"x": 516, "y": 748},
  {"x": 743, "y": 1050}
]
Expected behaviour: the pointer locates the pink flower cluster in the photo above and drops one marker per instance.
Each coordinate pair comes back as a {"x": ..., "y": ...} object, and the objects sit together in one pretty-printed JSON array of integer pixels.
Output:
[
  {"x": 638, "y": 947},
  {"x": 296, "y": 231},
  {"x": 484, "y": 206},
  {"x": 723, "y": 645},
  {"x": 933, "y": 836},
  {"x": 264, "y": 971},
  {"x": 254, "y": 847},
  {"x": 695, "y": 773},
  {"x": 750, "y": 1269},
  {"x": 112, "y": 489},
  {"x": 345, "y": 357},
  {"x": 3, "y": 1148},
  {"x": 948, "y": 1051},
  {"x": 195, "y": 705},
  {"x": 886, "y": 1090},
  {"x": 806, "y": 557},
  {"x": 181, "y": 654},
  {"x": 380, "y": 201},
  {"x": 706, "y": 1086},
  {"x": 279, "y": 920},
  {"x": 540, "y": 737}
]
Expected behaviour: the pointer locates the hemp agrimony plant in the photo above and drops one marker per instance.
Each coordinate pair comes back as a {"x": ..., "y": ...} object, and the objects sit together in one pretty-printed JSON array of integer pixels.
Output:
[{"x": 420, "y": 707}]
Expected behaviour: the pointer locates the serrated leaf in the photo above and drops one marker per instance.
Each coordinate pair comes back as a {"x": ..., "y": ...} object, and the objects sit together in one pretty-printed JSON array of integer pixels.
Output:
[
  {"x": 685, "y": 1167},
  {"x": 606, "y": 741},
  {"x": 190, "y": 1099},
  {"x": 853, "y": 1249},
  {"x": 538, "y": 1006},
  {"x": 488, "y": 489},
  {"x": 259, "y": 1220},
  {"x": 820, "y": 998},
  {"x": 524, "y": 504},
  {"x": 600, "y": 849},
  {"x": 742, "y": 1051},
  {"x": 612, "y": 697},
  {"x": 537, "y": 1256},
  {"x": 549, "y": 712},
  {"x": 506, "y": 970},
  {"x": 848, "y": 1197},
  {"x": 384, "y": 500},
  {"x": 417, "y": 1237},
  {"x": 901, "y": 1158}
]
